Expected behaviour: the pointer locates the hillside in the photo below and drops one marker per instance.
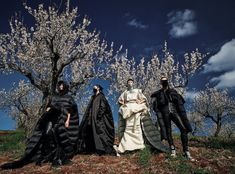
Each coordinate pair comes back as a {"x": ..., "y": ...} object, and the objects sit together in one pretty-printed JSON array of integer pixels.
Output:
[{"x": 213, "y": 156}]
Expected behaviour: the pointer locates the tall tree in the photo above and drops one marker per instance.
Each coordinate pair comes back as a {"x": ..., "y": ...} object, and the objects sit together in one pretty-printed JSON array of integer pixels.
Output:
[
  {"x": 147, "y": 72},
  {"x": 58, "y": 46},
  {"x": 215, "y": 105},
  {"x": 22, "y": 102}
]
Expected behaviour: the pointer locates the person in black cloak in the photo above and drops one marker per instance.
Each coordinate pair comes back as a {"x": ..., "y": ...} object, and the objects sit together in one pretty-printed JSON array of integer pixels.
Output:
[
  {"x": 54, "y": 138},
  {"x": 168, "y": 104},
  {"x": 96, "y": 131}
]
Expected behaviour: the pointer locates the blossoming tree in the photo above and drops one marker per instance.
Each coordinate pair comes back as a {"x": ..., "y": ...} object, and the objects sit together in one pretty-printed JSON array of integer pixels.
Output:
[
  {"x": 215, "y": 105},
  {"x": 22, "y": 102},
  {"x": 147, "y": 73},
  {"x": 58, "y": 46}
]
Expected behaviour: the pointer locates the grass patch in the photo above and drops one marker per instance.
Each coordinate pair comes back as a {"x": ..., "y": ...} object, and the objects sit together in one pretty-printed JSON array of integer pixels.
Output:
[
  {"x": 144, "y": 156},
  {"x": 176, "y": 135},
  {"x": 180, "y": 165},
  {"x": 12, "y": 142},
  {"x": 201, "y": 171},
  {"x": 183, "y": 168},
  {"x": 221, "y": 143}
]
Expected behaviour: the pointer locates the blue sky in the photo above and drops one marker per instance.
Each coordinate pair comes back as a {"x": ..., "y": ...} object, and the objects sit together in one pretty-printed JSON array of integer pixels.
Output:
[{"x": 142, "y": 26}]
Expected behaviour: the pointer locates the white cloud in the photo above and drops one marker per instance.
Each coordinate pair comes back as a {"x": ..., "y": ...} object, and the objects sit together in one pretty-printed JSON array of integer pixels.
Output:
[
  {"x": 190, "y": 95},
  {"x": 224, "y": 60},
  {"x": 226, "y": 80},
  {"x": 136, "y": 24},
  {"x": 183, "y": 23}
]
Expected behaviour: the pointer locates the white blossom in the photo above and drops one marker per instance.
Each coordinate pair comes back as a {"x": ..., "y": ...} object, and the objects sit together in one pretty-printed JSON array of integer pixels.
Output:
[
  {"x": 56, "y": 47},
  {"x": 215, "y": 105},
  {"x": 147, "y": 72}
]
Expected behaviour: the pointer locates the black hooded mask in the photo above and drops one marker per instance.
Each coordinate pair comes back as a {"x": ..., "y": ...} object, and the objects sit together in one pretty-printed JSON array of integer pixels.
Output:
[{"x": 65, "y": 90}]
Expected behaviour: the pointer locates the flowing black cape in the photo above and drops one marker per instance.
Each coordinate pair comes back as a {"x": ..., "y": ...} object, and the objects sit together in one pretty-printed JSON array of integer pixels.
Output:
[
  {"x": 96, "y": 131},
  {"x": 60, "y": 141}
]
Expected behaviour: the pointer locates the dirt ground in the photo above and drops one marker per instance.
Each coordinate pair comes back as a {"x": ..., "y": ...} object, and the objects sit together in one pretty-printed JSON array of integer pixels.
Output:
[{"x": 209, "y": 160}]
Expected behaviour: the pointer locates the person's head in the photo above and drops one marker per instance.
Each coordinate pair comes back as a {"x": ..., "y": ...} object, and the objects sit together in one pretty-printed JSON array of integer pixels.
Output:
[
  {"x": 164, "y": 82},
  {"x": 62, "y": 87},
  {"x": 130, "y": 83},
  {"x": 97, "y": 89}
]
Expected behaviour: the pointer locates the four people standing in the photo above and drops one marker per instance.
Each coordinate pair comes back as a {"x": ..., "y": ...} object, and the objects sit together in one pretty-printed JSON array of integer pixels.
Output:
[{"x": 58, "y": 136}]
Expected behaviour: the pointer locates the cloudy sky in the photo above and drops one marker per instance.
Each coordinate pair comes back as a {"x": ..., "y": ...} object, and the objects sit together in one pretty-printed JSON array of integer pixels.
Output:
[{"x": 142, "y": 26}]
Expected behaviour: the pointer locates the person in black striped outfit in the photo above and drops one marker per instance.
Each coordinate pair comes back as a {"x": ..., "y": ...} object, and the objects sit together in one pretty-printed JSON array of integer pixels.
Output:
[{"x": 55, "y": 135}]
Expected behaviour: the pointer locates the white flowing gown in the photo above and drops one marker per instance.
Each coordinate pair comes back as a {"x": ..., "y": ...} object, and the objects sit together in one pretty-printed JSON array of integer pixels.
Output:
[{"x": 132, "y": 138}]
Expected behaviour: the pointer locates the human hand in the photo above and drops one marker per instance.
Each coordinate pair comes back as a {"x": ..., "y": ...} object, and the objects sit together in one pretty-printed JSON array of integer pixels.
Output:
[
  {"x": 122, "y": 102},
  {"x": 67, "y": 124}
]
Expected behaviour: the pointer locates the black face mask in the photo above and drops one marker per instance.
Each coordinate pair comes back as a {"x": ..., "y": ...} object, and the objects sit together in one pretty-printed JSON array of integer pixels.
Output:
[
  {"x": 164, "y": 83},
  {"x": 95, "y": 90}
]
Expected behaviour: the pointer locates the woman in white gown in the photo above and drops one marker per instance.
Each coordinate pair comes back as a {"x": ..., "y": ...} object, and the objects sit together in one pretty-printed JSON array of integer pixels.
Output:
[{"x": 135, "y": 122}]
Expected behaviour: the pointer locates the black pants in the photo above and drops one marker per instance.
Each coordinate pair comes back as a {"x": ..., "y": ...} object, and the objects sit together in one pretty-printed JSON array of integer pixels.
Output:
[{"x": 183, "y": 131}]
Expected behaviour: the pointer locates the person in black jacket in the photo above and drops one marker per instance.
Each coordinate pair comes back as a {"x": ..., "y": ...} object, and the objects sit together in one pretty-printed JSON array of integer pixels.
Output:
[
  {"x": 169, "y": 106},
  {"x": 96, "y": 131},
  {"x": 54, "y": 138}
]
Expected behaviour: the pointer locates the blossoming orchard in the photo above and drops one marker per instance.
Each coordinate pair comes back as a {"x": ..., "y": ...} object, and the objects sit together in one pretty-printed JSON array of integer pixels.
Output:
[{"x": 61, "y": 45}]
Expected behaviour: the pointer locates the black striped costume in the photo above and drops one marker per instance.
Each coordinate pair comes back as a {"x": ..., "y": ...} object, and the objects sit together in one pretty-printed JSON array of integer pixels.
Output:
[{"x": 51, "y": 140}]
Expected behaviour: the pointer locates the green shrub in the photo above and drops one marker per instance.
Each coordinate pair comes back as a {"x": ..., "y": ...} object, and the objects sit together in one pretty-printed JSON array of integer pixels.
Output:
[
  {"x": 183, "y": 167},
  {"x": 201, "y": 171},
  {"x": 144, "y": 156},
  {"x": 221, "y": 143},
  {"x": 13, "y": 142}
]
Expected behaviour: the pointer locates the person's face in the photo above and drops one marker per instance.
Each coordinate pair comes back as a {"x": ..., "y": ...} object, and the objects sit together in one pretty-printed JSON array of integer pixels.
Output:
[
  {"x": 61, "y": 87},
  {"x": 130, "y": 83}
]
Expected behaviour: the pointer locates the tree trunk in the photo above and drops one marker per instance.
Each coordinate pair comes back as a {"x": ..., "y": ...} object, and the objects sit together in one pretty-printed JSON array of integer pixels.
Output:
[
  {"x": 195, "y": 129},
  {"x": 45, "y": 101},
  {"x": 47, "y": 95},
  {"x": 218, "y": 128}
]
